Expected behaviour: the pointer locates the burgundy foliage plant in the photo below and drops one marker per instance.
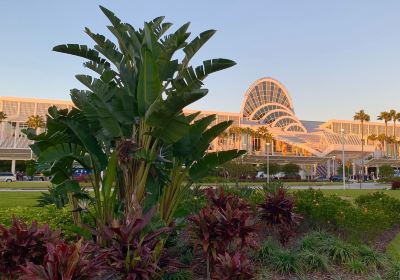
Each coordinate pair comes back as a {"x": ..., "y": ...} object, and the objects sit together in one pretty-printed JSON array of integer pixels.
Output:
[
  {"x": 277, "y": 211},
  {"x": 234, "y": 266},
  {"x": 77, "y": 261},
  {"x": 227, "y": 225},
  {"x": 133, "y": 251},
  {"x": 20, "y": 244}
]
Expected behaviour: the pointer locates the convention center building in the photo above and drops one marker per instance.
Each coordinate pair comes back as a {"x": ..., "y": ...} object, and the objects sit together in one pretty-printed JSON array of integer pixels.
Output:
[{"x": 317, "y": 146}]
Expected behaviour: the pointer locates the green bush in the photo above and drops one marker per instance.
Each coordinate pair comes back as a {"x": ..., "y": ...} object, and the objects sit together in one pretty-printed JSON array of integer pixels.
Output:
[
  {"x": 392, "y": 271},
  {"x": 331, "y": 212},
  {"x": 314, "y": 261},
  {"x": 285, "y": 262},
  {"x": 49, "y": 214},
  {"x": 369, "y": 256},
  {"x": 356, "y": 266},
  {"x": 380, "y": 202},
  {"x": 267, "y": 249},
  {"x": 314, "y": 241},
  {"x": 180, "y": 275},
  {"x": 338, "y": 250}
]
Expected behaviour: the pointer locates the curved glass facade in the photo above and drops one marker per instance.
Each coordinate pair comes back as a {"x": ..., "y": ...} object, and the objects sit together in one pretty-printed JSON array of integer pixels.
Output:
[{"x": 268, "y": 102}]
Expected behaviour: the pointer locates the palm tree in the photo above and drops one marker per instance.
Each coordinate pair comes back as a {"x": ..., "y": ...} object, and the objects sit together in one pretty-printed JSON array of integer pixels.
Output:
[
  {"x": 221, "y": 139},
  {"x": 362, "y": 117},
  {"x": 35, "y": 122},
  {"x": 3, "y": 117},
  {"x": 382, "y": 139},
  {"x": 264, "y": 134},
  {"x": 386, "y": 117},
  {"x": 237, "y": 132},
  {"x": 249, "y": 132},
  {"x": 395, "y": 117}
]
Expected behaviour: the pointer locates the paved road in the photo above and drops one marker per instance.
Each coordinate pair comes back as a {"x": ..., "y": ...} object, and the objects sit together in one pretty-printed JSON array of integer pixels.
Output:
[{"x": 354, "y": 186}]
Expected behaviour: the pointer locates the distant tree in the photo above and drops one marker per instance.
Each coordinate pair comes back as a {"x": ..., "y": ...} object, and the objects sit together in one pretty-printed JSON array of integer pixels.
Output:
[
  {"x": 237, "y": 133},
  {"x": 35, "y": 122},
  {"x": 386, "y": 171},
  {"x": 30, "y": 168},
  {"x": 386, "y": 117},
  {"x": 362, "y": 117},
  {"x": 3, "y": 116},
  {"x": 273, "y": 168},
  {"x": 347, "y": 169},
  {"x": 236, "y": 169},
  {"x": 395, "y": 117},
  {"x": 291, "y": 169}
]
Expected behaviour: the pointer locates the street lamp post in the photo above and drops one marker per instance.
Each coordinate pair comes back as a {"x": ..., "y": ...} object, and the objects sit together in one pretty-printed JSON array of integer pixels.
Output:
[
  {"x": 333, "y": 165},
  {"x": 268, "y": 144},
  {"x": 343, "y": 162}
]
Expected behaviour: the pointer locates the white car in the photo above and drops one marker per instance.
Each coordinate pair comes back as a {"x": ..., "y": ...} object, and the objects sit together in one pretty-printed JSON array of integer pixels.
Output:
[{"x": 7, "y": 177}]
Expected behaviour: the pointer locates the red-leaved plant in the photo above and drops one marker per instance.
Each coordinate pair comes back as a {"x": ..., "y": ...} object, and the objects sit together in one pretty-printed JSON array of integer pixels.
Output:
[
  {"x": 133, "y": 252},
  {"x": 20, "y": 244},
  {"x": 225, "y": 226},
  {"x": 234, "y": 266},
  {"x": 76, "y": 261},
  {"x": 277, "y": 211}
]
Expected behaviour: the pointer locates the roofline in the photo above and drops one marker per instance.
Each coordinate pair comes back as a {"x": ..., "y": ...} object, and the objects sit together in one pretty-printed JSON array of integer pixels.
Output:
[{"x": 35, "y": 100}]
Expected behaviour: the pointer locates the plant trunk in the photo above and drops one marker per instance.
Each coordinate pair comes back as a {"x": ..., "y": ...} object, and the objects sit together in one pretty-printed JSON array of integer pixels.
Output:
[
  {"x": 395, "y": 141},
  {"x": 385, "y": 144},
  {"x": 362, "y": 153},
  {"x": 208, "y": 267}
]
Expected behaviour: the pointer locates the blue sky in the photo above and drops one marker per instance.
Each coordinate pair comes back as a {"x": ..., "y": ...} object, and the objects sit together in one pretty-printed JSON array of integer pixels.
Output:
[{"x": 335, "y": 57}]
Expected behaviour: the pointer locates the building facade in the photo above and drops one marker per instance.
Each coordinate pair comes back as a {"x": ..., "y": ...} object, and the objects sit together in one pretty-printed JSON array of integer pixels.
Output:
[{"x": 315, "y": 145}]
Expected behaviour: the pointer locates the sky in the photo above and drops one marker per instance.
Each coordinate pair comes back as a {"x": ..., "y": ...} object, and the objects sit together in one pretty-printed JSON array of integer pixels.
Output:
[{"x": 334, "y": 57}]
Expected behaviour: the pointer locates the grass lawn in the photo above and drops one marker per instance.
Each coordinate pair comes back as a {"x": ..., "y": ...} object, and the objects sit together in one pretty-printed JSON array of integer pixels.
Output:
[
  {"x": 393, "y": 249},
  {"x": 352, "y": 194},
  {"x": 30, "y": 185},
  {"x": 260, "y": 183},
  {"x": 13, "y": 199},
  {"x": 25, "y": 185}
]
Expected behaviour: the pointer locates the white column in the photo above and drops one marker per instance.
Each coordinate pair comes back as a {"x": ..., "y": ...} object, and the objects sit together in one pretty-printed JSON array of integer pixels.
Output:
[
  {"x": 377, "y": 172},
  {"x": 328, "y": 168},
  {"x": 13, "y": 166},
  {"x": 354, "y": 168}
]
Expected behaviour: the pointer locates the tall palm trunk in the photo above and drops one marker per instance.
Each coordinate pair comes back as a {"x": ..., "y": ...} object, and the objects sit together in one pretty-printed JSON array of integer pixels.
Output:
[
  {"x": 385, "y": 143},
  {"x": 362, "y": 151},
  {"x": 394, "y": 136}
]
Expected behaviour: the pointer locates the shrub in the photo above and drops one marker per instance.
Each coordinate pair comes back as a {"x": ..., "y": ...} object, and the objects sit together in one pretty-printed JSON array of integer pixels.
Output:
[
  {"x": 49, "y": 214},
  {"x": 395, "y": 185},
  {"x": 381, "y": 202},
  {"x": 131, "y": 250},
  {"x": 75, "y": 261},
  {"x": 278, "y": 211},
  {"x": 314, "y": 241},
  {"x": 225, "y": 226},
  {"x": 334, "y": 213},
  {"x": 180, "y": 275},
  {"x": 233, "y": 266},
  {"x": 314, "y": 261},
  {"x": 369, "y": 257},
  {"x": 267, "y": 249},
  {"x": 356, "y": 266},
  {"x": 338, "y": 250},
  {"x": 285, "y": 262},
  {"x": 20, "y": 244},
  {"x": 392, "y": 271}
]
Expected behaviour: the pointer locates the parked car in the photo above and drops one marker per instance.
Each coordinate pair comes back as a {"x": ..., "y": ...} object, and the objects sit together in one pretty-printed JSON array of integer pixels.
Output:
[
  {"x": 336, "y": 178},
  {"x": 321, "y": 179},
  {"x": 7, "y": 177}
]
